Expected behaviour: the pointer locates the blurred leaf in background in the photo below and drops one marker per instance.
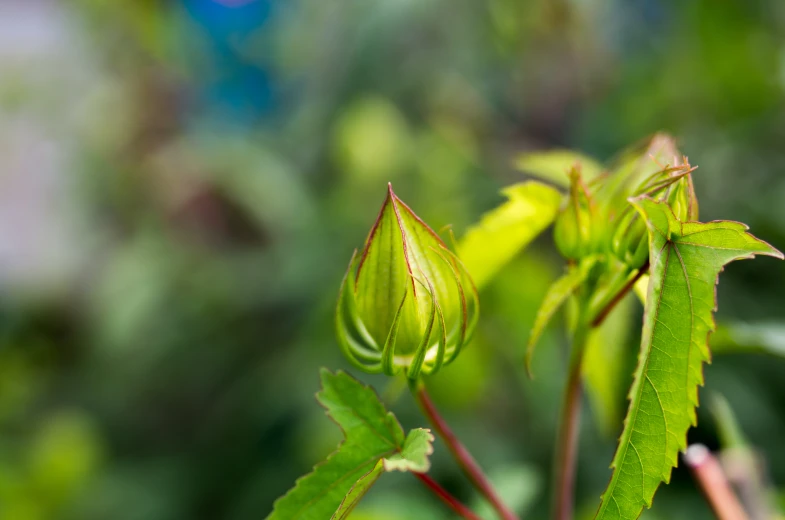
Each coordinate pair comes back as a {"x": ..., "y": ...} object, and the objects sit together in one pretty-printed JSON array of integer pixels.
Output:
[{"x": 181, "y": 182}]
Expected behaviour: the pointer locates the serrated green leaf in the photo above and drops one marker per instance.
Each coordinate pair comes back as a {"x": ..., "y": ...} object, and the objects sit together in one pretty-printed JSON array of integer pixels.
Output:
[
  {"x": 373, "y": 439},
  {"x": 553, "y": 165},
  {"x": 505, "y": 231},
  {"x": 557, "y": 294},
  {"x": 686, "y": 259}
]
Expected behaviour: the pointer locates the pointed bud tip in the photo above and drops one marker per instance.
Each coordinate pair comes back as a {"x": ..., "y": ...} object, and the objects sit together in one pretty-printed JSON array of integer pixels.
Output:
[{"x": 391, "y": 194}]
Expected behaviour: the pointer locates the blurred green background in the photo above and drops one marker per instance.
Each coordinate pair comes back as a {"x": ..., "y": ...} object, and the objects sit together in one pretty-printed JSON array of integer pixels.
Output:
[{"x": 182, "y": 184}]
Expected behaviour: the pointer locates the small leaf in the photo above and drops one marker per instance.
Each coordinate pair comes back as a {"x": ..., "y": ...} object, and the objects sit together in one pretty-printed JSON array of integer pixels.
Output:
[
  {"x": 686, "y": 259},
  {"x": 555, "y": 297},
  {"x": 412, "y": 457},
  {"x": 374, "y": 442},
  {"x": 554, "y": 165},
  {"x": 505, "y": 231},
  {"x": 414, "y": 453}
]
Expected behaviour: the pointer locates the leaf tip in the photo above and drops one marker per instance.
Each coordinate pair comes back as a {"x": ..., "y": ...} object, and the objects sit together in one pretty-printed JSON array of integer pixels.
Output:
[
  {"x": 773, "y": 251},
  {"x": 528, "y": 359},
  {"x": 325, "y": 375}
]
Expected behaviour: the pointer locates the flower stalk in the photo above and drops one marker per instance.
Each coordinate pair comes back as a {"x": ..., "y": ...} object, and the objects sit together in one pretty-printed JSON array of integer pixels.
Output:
[
  {"x": 462, "y": 456},
  {"x": 449, "y": 500},
  {"x": 567, "y": 442}
]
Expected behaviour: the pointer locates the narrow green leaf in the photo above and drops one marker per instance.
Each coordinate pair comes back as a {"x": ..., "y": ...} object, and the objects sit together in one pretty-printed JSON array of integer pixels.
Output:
[
  {"x": 358, "y": 491},
  {"x": 373, "y": 439},
  {"x": 505, "y": 231},
  {"x": 743, "y": 464},
  {"x": 728, "y": 429},
  {"x": 686, "y": 259},
  {"x": 749, "y": 338},
  {"x": 553, "y": 165},
  {"x": 557, "y": 294}
]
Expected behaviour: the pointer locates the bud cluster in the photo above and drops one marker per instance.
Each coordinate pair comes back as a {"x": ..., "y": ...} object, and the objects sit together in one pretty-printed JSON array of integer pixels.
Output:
[
  {"x": 672, "y": 185},
  {"x": 597, "y": 218}
]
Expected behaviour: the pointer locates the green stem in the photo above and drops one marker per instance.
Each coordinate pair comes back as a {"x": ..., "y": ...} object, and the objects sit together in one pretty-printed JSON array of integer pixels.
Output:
[
  {"x": 567, "y": 443},
  {"x": 451, "y": 502},
  {"x": 462, "y": 456}
]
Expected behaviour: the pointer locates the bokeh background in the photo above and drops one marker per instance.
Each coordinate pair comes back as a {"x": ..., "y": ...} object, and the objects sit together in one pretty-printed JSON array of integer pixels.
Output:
[{"x": 182, "y": 183}]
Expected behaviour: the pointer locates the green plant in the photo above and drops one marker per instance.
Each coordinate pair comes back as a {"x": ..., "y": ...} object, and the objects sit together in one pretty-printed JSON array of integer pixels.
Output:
[{"x": 408, "y": 305}]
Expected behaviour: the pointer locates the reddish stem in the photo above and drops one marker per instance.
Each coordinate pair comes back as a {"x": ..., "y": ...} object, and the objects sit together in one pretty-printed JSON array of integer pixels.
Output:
[
  {"x": 567, "y": 447},
  {"x": 714, "y": 484},
  {"x": 462, "y": 456},
  {"x": 446, "y": 497},
  {"x": 619, "y": 296}
]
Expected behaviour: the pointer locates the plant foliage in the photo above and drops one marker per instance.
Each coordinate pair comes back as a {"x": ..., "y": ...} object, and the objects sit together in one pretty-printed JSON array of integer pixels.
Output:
[
  {"x": 374, "y": 443},
  {"x": 686, "y": 259}
]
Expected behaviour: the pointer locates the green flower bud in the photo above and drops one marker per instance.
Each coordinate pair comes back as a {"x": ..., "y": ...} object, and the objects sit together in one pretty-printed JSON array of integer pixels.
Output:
[
  {"x": 674, "y": 185},
  {"x": 406, "y": 302},
  {"x": 630, "y": 242},
  {"x": 682, "y": 199},
  {"x": 573, "y": 231}
]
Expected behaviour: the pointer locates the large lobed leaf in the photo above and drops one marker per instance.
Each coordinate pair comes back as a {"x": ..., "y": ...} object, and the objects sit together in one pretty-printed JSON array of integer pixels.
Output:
[
  {"x": 374, "y": 443},
  {"x": 686, "y": 259},
  {"x": 503, "y": 232}
]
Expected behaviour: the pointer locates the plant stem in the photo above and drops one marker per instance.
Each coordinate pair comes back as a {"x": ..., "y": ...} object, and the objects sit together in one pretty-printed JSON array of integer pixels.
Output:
[
  {"x": 714, "y": 484},
  {"x": 569, "y": 428},
  {"x": 618, "y": 296},
  {"x": 451, "y": 502},
  {"x": 466, "y": 462},
  {"x": 567, "y": 443}
]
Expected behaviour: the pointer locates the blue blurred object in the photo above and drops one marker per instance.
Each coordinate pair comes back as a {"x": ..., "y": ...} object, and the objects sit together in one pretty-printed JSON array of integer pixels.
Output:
[{"x": 238, "y": 90}]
